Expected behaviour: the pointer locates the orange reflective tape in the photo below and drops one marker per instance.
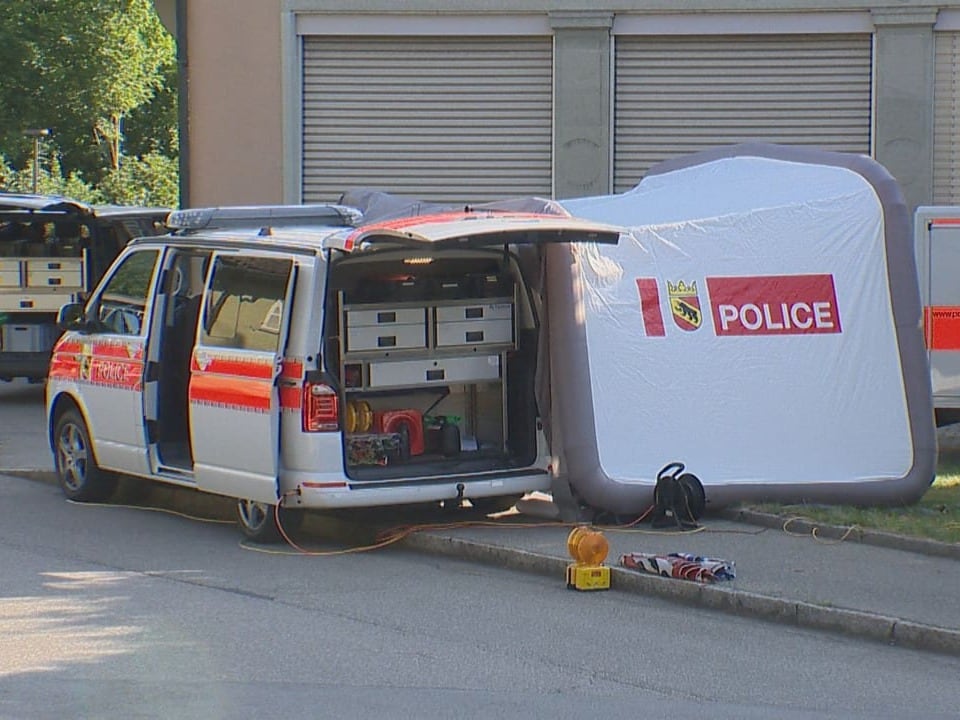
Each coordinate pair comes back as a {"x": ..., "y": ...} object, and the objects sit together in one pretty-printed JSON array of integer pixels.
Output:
[{"x": 231, "y": 392}]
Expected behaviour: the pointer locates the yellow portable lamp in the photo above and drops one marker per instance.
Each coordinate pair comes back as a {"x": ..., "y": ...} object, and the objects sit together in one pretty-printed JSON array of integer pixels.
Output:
[{"x": 589, "y": 549}]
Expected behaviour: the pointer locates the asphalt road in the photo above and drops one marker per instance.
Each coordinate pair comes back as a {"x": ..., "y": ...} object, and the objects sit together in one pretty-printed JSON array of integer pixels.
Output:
[
  {"x": 135, "y": 612},
  {"x": 120, "y": 612}
]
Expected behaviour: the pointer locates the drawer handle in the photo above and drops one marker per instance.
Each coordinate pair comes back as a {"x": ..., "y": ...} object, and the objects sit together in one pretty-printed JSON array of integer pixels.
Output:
[
  {"x": 387, "y": 341},
  {"x": 386, "y": 317},
  {"x": 475, "y": 336},
  {"x": 435, "y": 374},
  {"x": 54, "y": 281},
  {"x": 53, "y": 266},
  {"x": 473, "y": 313},
  {"x": 26, "y": 303}
]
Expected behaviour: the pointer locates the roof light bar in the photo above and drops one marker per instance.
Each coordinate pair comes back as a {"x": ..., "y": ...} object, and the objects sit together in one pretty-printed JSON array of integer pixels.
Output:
[{"x": 254, "y": 216}]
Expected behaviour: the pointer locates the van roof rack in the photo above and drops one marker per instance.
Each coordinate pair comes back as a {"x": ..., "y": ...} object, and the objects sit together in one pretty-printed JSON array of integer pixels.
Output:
[{"x": 258, "y": 216}]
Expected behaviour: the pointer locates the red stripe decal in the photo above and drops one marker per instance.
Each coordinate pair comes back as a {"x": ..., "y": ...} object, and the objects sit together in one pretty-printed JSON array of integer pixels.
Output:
[
  {"x": 650, "y": 307},
  {"x": 291, "y": 398},
  {"x": 945, "y": 221},
  {"x": 235, "y": 366},
  {"x": 291, "y": 370},
  {"x": 321, "y": 485},
  {"x": 231, "y": 392}
]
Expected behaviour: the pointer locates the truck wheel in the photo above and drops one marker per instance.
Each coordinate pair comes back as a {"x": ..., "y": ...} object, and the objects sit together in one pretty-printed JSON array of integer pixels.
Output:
[
  {"x": 258, "y": 521},
  {"x": 77, "y": 471}
]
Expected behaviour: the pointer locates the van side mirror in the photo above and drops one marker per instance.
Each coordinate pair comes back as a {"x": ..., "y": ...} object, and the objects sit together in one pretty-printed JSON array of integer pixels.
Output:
[{"x": 70, "y": 317}]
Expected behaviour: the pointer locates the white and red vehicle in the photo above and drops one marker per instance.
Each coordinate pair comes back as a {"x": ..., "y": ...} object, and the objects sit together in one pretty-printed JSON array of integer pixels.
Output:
[
  {"x": 331, "y": 366},
  {"x": 52, "y": 251},
  {"x": 937, "y": 247}
]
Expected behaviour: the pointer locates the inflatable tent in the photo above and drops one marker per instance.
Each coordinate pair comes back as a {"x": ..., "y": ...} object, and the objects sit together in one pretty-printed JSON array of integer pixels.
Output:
[{"x": 760, "y": 322}]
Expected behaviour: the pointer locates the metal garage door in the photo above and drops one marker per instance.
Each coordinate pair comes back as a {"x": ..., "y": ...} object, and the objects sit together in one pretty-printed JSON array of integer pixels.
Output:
[
  {"x": 946, "y": 120},
  {"x": 681, "y": 94},
  {"x": 446, "y": 119}
]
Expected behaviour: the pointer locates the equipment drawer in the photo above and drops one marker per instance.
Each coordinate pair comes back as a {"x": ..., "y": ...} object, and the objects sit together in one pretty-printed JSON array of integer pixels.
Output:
[
  {"x": 54, "y": 273},
  {"x": 10, "y": 278},
  {"x": 386, "y": 337},
  {"x": 476, "y": 311},
  {"x": 475, "y": 332},
  {"x": 397, "y": 316},
  {"x": 439, "y": 371}
]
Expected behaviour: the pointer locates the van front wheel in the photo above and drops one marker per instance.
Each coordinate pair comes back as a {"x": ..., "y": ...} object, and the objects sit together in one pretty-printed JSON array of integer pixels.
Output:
[{"x": 80, "y": 478}]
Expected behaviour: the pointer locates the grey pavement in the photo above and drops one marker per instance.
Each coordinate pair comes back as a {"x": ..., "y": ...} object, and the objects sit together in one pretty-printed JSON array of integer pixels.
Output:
[
  {"x": 874, "y": 585},
  {"x": 829, "y": 580}
]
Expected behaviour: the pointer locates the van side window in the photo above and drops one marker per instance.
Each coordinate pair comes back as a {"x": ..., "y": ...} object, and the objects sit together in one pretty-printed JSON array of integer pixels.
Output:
[
  {"x": 245, "y": 302},
  {"x": 122, "y": 304}
]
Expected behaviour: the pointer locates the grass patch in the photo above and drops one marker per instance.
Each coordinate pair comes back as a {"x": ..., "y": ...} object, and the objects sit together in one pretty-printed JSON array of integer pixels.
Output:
[{"x": 936, "y": 516}]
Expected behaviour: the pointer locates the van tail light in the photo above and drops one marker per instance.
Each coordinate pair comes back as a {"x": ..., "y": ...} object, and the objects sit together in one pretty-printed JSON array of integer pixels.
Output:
[{"x": 321, "y": 408}]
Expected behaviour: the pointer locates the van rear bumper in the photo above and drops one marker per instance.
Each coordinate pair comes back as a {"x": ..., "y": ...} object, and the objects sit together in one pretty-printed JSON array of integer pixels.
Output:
[{"x": 329, "y": 495}]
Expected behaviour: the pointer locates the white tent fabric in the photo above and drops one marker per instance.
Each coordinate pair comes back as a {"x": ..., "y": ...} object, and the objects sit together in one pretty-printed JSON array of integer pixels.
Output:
[{"x": 759, "y": 322}]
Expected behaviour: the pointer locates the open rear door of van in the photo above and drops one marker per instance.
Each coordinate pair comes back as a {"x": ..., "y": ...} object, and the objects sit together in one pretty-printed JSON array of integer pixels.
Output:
[{"x": 234, "y": 399}]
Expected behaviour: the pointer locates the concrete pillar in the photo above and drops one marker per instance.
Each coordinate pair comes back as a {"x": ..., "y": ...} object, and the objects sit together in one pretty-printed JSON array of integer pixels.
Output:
[
  {"x": 903, "y": 72},
  {"x": 582, "y": 103}
]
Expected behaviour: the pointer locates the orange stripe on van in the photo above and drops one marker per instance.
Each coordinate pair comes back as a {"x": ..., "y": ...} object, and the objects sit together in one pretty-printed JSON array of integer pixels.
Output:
[
  {"x": 291, "y": 370},
  {"x": 119, "y": 349},
  {"x": 234, "y": 366},
  {"x": 944, "y": 221},
  {"x": 941, "y": 327},
  {"x": 291, "y": 398},
  {"x": 231, "y": 392}
]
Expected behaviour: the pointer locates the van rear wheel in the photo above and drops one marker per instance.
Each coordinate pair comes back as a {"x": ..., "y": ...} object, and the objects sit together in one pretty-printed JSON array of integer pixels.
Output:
[
  {"x": 258, "y": 521},
  {"x": 80, "y": 478}
]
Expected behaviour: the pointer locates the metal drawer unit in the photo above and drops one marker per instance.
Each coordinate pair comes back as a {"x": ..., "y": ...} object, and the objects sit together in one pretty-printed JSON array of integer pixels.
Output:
[
  {"x": 10, "y": 273},
  {"x": 439, "y": 371},
  {"x": 466, "y": 324},
  {"x": 373, "y": 329},
  {"x": 47, "y": 272},
  {"x": 393, "y": 352}
]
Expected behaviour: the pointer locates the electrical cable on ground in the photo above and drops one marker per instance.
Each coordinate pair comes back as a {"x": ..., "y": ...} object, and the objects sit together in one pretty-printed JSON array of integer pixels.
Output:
[{"x": 814, "y": 530}]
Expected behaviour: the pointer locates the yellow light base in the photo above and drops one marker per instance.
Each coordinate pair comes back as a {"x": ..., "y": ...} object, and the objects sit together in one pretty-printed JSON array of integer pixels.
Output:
[{"x": 588, "y": 577}]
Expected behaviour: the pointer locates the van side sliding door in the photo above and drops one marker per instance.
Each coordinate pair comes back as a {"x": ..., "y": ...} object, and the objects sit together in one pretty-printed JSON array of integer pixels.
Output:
[{"x": 233, "y": 394}]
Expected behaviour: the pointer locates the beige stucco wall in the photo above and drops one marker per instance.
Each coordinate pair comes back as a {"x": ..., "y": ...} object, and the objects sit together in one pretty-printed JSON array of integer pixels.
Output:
[{"x": 235, "y": 115}]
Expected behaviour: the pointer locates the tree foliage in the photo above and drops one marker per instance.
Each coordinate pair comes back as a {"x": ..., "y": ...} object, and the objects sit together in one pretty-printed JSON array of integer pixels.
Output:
[{"x": 94, "y": 72}]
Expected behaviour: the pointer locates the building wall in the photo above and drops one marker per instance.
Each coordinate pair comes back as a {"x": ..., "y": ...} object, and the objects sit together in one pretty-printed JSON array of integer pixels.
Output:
[
  {"x": 235, "y": 113},
  {"x": 244, "y": 114}
]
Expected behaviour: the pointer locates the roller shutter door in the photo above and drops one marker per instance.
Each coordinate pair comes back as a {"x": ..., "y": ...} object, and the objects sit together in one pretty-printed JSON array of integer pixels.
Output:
[
  {"x": 677, "y": 95},
  {"x": 946, "y": 120},
  {"x": 447, "y": 119}
]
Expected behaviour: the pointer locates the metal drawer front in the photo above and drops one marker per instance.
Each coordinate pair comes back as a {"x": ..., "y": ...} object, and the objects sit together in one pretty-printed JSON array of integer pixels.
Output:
[
  {"x": 476, "y": 311},
  {"x": 398, "y": 316},
  {"x": 475, "y": 332},
  {"x": 387, "y": 337},
  {"x": 54, "y": 273},
  {"x": 435, "y": 372},
  {"x": 10, "y": 278},
  {"x": 47, "y": 302}
]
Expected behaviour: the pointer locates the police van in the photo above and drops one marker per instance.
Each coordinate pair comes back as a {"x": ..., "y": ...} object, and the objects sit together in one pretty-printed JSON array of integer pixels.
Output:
[{"x": 311, "y": 357}]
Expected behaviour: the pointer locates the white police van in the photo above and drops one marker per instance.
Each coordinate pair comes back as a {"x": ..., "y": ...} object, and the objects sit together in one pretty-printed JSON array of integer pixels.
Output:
[{"x": 314, "y": 361}]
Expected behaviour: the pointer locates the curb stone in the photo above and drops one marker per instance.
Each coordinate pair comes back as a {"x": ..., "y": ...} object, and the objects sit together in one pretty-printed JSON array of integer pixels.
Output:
[{"x": 838, "y": 620}]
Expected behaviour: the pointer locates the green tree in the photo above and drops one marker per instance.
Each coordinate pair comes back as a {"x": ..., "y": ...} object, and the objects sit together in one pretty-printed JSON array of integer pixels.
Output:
[{"x": 83, "y": 68}]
